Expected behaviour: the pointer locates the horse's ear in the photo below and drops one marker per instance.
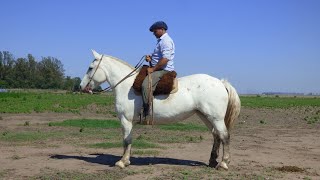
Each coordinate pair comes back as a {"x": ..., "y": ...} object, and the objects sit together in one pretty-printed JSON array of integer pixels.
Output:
[{"x": 95, "y": 54}]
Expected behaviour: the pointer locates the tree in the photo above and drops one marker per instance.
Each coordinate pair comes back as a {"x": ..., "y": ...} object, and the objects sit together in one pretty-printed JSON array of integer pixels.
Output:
[
  {"x": 51, "y": 73},
  {"x": 76, "y": 85},
  {"x": 7, "y": 64},
  {"x": 68, "y": 83},
  {"x": 33, "y": 73},
  {"x": 21, "y": 73}
]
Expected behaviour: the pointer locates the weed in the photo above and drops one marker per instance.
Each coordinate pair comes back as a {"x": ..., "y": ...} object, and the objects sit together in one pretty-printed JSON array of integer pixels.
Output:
[
  {"x": 1, "y": 118},
  {"x": 263, "y": 122},
  {"x": 201, "y": 138},
  {"x": 312, "y": 119},
  {"x": 81, "y": 129},
  {"x": 5, "y": 133},
  {"x": 290, "y": 169},
  {"x": 16, "y": 157},
  {"x": 27, "y": 123}
]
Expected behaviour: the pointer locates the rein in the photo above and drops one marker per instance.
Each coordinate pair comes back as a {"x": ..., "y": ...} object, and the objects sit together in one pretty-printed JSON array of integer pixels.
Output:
[{"x": 136, "y": 67}]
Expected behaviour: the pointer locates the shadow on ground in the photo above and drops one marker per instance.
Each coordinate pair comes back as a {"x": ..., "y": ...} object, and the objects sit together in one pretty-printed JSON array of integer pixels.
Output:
[{"x": 109, "y": 159}]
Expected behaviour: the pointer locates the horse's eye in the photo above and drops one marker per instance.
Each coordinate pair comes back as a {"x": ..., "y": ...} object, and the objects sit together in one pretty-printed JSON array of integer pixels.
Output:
[{"x": 89, "y": 69}]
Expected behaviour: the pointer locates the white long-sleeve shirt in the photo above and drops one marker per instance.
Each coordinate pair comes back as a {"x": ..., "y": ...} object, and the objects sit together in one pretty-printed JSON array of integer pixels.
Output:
[{"x": 164, "y": 49}]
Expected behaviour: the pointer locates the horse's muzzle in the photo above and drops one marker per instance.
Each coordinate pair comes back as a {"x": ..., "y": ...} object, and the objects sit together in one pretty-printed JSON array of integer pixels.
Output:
[{"x": 87, "y": 89}]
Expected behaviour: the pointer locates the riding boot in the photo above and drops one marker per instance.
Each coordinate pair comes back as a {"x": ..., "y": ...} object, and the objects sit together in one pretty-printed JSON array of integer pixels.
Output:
[{"x": 146, "y": 109}]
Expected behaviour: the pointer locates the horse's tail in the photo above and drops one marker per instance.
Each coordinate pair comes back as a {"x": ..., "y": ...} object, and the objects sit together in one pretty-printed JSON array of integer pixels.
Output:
[{"x": 234, "y": 105}]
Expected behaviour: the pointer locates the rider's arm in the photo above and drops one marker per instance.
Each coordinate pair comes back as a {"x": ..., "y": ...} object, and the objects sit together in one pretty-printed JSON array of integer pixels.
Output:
[{"x": 160, "y": 64}]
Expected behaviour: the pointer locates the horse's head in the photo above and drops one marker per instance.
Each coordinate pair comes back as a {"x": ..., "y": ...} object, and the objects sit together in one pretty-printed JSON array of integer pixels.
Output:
[{"x": 95, "y": 74}]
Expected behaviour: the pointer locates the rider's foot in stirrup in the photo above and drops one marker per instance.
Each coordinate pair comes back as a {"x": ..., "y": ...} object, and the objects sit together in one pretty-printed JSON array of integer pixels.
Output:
[{"x": 146, "y": 111}]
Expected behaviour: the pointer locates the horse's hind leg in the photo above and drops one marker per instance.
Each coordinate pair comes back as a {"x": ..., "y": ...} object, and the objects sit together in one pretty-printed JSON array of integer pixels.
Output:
[
  {"x": 222, "y": 132},
  {"x": 215, "y": 151}
]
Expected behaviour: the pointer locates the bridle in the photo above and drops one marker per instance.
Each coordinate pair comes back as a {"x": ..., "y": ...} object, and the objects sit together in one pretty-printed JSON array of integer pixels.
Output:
[
  {"x": 136, "y": 67},
  {"x": 90, "y": 78}
]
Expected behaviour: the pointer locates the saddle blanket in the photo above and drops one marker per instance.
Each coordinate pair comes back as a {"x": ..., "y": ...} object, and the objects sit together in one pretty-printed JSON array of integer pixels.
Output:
[{"x": 167, "y": 85}]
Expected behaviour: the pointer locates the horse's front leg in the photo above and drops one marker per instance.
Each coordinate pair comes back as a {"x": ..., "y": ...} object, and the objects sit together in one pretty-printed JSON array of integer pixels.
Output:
[{"x": 127, "y": 141}]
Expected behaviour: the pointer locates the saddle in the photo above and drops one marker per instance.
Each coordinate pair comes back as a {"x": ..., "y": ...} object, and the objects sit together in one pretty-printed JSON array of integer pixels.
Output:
[{"x": 167, "y": 85}]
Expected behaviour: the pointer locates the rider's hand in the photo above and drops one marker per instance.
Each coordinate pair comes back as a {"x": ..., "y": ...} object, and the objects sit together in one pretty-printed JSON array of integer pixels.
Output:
[
  {"x": 150, "y": 70},
  {"x": 148, "y": 58}
]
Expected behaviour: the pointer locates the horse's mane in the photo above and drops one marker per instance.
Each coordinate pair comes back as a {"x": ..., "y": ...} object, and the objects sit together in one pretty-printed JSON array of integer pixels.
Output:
[{"x": 121, "y": 61}]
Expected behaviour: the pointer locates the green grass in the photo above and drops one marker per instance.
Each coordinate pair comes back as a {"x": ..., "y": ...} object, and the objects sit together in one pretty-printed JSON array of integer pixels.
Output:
[
  {"x": 88, "y": 123},
  {"x": 28, "y": 136},
  {"x": 28, "y": 102},
  {"x": 19, "y": 102},
  {"x": 147, "y": 152},
  {"x": 50, "y": 174},
  {"x": 139, "y": 144},
  {"x": 183, "y": 127},
  {"x": 279, "y": 102}
]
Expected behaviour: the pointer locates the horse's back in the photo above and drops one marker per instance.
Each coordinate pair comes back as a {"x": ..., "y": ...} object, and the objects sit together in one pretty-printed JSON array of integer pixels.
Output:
[
  {"x": 205, "y": 90},
  {"x": 201, "y": 82}
]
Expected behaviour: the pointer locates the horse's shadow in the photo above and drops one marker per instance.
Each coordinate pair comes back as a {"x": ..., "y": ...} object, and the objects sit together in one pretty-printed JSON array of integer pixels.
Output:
[{"x": 109, "y": 159}]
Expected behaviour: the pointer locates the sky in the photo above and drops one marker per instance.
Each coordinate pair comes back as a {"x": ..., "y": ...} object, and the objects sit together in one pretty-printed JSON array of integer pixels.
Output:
[{"x": 258, "y": 45}]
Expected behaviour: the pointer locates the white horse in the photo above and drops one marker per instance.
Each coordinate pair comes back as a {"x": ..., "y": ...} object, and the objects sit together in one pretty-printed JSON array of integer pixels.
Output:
[{"x": 215, "y": 101}]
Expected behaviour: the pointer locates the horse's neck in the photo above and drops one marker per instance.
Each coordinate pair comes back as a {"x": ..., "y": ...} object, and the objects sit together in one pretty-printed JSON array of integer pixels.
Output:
[{"x": 116, "y": 71}]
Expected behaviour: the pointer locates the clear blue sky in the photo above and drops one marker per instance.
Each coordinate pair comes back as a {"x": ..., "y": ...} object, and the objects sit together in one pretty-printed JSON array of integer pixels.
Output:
[{"x": 258, "y": 45}]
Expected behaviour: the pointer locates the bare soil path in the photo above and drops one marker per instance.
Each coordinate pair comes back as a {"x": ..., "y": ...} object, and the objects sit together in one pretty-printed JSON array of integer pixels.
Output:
[{"x": 265, "y": 144}]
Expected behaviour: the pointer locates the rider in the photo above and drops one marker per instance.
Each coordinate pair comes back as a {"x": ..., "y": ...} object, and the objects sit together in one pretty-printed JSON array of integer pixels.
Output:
[{"x": 161, "y": 60}]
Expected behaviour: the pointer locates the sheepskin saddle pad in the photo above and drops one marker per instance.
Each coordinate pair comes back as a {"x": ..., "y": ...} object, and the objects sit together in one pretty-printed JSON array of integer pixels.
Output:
[{"x": 167, "y": 85}]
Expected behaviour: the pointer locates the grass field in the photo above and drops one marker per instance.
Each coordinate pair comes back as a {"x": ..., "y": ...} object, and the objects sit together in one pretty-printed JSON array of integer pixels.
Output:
[
  {"x": 20, "y": 102},
  {"x": 279, "y": 102}
]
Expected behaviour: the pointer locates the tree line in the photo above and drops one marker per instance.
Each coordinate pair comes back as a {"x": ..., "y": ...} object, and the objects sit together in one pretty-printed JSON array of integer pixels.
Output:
[{"x": 27, "y": 72}]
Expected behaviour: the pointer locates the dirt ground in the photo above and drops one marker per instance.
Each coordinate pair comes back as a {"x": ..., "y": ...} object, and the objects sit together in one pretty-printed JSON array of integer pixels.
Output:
[{"x": 265, "y": 144}]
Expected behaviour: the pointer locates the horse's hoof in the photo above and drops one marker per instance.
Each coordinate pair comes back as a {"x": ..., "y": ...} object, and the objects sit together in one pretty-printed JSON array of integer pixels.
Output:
[
  {"x": 213, "y": 163},
  {"x": 120, "y": 164},
  {"x": 222, "y": 165},
  {"x": 127, "y": 163}
]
